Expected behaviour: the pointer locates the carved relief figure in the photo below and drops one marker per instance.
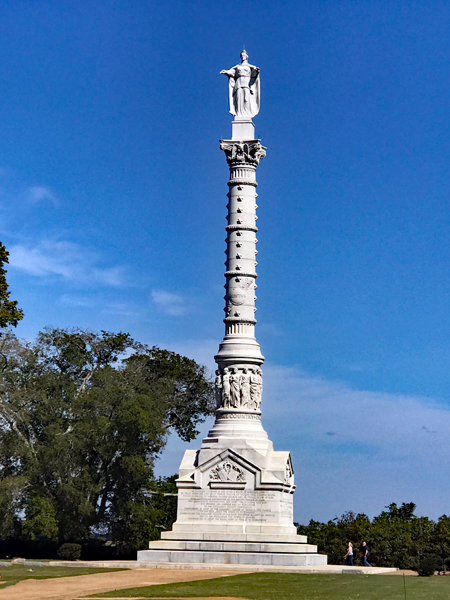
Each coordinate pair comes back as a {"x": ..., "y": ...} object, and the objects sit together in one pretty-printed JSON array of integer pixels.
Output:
[
  {"x": 226, "y": 388},
  {"x": 236, "y": 388},
  {"x": 254, "y": 389},
  {"x": 218, "y": 389},
  {"x": 245, "y": 389},
  {"x": 235, "y": 395},
  {"x": 227, "y": 471},
  {"x": 246, "y": 283},
  {"x": 244, "y": 89},
  {"x": 288, "y": 473},
  {"x": 260, "y": 386}
]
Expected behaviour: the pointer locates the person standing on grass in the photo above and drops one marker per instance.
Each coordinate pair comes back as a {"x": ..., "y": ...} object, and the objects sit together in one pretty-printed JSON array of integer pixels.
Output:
[
  {"x": 349, "y": 555},
  {"x": 365, "y": 560}
]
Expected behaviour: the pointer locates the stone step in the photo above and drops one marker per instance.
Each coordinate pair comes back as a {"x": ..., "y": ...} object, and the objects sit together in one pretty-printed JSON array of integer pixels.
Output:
[
  {"x": 184, "y": 528},
  {"x": 234, "y": 537},
  {"x": 230, "y": 558},
  {"x": 208, "y": 546},
  {"x": 313, "y": 569}
]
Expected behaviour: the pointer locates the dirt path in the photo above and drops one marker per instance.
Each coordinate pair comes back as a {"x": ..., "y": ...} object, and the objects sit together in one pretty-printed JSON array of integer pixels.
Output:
[
  {"x": 69, "y": 588},
  {"x": 174, "y": 598}
]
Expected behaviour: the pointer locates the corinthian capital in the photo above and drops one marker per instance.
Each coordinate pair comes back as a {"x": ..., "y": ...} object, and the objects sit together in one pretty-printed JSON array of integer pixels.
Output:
[{"x": 241, "y": 153}]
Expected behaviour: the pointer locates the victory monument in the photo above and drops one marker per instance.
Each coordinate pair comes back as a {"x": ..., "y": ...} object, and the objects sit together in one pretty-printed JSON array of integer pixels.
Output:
[{"x": 235, "y": 494}]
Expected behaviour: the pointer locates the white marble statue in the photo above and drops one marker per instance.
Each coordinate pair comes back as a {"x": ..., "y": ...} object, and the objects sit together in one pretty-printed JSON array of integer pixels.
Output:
[{"x": 244, "y": 89}]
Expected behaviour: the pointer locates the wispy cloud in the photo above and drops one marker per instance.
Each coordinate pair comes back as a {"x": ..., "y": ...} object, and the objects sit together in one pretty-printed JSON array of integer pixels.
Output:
[
  {"x": 391, "y": 424},
  {"x": 381, "y": 450},
  {"x": 101, "y": 303},
  {"x": 66, "y": 260},
  {"x": 172, "y": 304},
  {"x": 125, "y": 309},
  {"x": 78, "y": 301},
  {"x": 41, "y": 194}
]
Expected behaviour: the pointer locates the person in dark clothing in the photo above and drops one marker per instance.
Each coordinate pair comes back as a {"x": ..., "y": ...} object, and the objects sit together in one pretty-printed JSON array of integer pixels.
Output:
[{"x": 365, "y": 560}]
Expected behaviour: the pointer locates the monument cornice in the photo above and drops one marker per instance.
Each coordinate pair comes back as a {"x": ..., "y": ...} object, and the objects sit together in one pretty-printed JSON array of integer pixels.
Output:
[{"x": 241, "y": 320}]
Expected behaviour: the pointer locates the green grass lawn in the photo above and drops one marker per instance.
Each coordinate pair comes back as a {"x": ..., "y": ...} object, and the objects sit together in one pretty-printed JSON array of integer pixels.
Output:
[
  {"x": 284, "y": 586},
  {"x": 16, "y": 573}
]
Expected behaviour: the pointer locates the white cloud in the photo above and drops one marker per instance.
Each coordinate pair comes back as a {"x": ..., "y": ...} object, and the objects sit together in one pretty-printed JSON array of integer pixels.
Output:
[
  {"x": 172, "y": 304},
  {"x": 78, "y": 301},
  {"x": 352, "y": 449},
  {"x": 383, "y": 448},
  {"x": 379, "y": 423},
  {"x": 125, "y": 309},
  {"x": 41, "y": 194},
  {"x": 104, "y": 304},
  {"x": 64, "y": 259}
]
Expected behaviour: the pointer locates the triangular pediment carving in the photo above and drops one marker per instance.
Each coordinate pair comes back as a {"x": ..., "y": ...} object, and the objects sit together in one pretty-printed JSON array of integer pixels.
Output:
[{"x": 231, "y": 456}]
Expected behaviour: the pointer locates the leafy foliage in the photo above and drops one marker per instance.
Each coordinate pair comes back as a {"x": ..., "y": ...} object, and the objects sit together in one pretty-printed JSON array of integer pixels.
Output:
[
  {"x": 69, "y": 551},
  {"x": 9, "y": 313},
  {"x": 429, "y": 564},
  {"x": 82, "y": 419}
]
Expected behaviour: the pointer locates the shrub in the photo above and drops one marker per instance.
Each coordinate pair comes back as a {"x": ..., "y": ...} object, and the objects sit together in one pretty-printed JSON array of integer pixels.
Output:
[
  {"x": 429, "y": 564},
  {"x": 69, "y": 551}
]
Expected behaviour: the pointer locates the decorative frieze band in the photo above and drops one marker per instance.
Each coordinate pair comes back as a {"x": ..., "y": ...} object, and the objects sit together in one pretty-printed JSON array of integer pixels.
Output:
[
  {"x": 239, "y": 415},
  {"x": 238, "y": 387},
  {"x": 242, "y": 182}
]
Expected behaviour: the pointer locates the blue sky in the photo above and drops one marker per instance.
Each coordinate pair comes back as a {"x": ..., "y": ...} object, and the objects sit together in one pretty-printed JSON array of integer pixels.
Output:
[{"x": 113, "y": 194}]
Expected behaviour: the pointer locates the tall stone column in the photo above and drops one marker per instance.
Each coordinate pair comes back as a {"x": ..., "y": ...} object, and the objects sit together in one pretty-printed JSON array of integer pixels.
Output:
[
  {"x": 235, "y": 492},
  {"x": 238, "y": 383}
]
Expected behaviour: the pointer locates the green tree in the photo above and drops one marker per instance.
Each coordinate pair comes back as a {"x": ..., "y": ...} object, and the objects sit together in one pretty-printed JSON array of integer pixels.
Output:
[
  {"x": 441, "y": 537},
  {"x": 83, "y": 417},
  {"x": 396, "y": 537},
  {"x": 9, "y": 313}
]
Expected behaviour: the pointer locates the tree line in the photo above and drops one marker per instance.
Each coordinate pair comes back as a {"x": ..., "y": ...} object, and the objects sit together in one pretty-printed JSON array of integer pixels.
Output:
[{"x": 396, "y": 538}]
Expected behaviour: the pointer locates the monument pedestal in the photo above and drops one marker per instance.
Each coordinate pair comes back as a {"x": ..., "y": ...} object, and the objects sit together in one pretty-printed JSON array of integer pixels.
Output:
[{"x": 235, "y": 503}]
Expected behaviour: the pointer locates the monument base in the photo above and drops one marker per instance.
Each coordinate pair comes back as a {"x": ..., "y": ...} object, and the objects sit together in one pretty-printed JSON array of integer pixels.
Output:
[
  {"x": 235, "y": 503},
  {"x": 239, "y": 549}
]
